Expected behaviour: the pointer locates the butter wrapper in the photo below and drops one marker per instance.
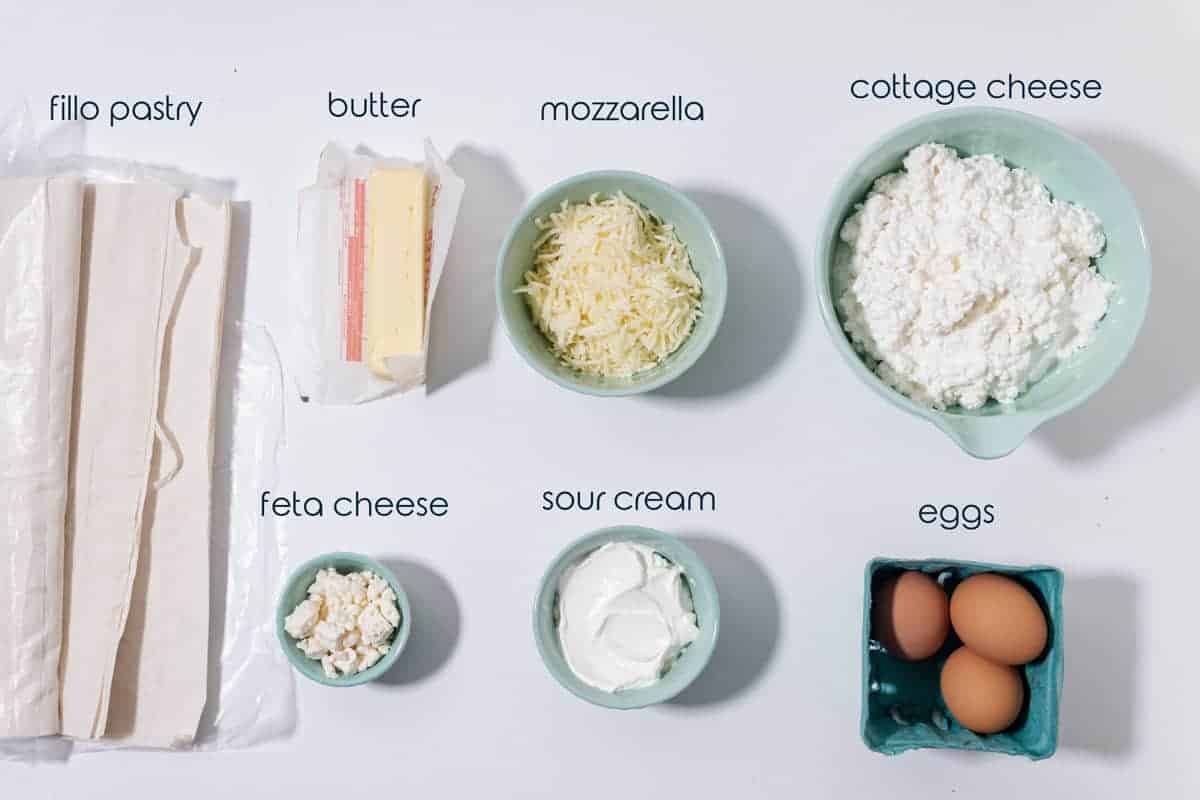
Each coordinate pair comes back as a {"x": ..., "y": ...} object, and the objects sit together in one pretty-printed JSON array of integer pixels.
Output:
[{"x": 328, "y": 308}]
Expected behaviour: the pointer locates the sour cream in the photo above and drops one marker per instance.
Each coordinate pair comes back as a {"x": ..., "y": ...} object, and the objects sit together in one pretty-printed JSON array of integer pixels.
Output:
[{"x": 624, "y": 615}]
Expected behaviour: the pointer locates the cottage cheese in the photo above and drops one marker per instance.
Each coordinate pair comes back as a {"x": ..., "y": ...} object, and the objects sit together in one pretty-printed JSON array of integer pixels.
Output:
[
  {"x": 346, "y": 622},
  {"x": 962, "y": 280}
]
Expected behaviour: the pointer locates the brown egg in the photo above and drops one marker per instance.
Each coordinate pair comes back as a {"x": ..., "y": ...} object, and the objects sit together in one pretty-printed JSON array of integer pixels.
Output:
[
  {"x": 983, "y": 697},
  {"x": 999, "y": 619},
  {"x": 910, "y": 616}
]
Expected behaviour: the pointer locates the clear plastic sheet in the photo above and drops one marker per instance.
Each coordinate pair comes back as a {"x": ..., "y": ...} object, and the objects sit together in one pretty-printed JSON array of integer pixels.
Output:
[
  {"x": 23, "y": 153},
  {"x": 251, "y": 692},
  {"x": 252, "y": 695},
  {"x": 20, "y": 150},
  {"x": 326, "y": 306},
  {"x": 39, "y": 283},
  {"x": 251, "y": 686},
  {"x": 40, "y": 222}
]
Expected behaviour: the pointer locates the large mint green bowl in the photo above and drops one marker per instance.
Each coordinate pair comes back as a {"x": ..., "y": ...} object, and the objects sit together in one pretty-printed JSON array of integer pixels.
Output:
[
  {"x": 296, "y": 589},
  {"x": 670, "y": 205},
  {"x": 1073, "y": 172},
  {"x": 691, "y": 661}
]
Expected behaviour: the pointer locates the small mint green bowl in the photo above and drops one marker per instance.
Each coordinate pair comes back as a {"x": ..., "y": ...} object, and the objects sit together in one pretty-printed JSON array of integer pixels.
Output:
[
  {"x": 691, "y": 661},
  {"x": 296, "y": 590},
  {"x": 1073, "y": 172},
  {"x": 670, "y": 205}
]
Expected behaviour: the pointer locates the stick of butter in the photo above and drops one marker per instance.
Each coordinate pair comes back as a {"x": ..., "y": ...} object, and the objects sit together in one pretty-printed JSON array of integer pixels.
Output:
[{"x": 397, "y": 219}]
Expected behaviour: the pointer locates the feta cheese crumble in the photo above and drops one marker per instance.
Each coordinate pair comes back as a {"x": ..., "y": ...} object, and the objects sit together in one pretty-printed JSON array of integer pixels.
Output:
[
  {"x": 346, "y": 622},
  {"x": 962, "y": 280}
]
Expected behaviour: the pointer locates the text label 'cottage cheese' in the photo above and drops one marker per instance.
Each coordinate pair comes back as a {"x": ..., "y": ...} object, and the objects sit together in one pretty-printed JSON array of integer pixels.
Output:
[{"x": 962, "y": 280}]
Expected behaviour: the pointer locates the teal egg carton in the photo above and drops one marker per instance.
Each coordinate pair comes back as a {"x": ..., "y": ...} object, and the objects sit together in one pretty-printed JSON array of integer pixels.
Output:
[{"x": 902, "y": 706}]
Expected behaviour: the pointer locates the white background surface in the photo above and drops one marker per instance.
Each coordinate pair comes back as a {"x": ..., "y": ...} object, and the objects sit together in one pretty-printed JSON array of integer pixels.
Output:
[{"x": 815, "y": 475}]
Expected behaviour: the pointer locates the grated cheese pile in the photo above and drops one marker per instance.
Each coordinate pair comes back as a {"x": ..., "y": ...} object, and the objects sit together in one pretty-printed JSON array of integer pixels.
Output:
[{"x": 612, "y": 287}]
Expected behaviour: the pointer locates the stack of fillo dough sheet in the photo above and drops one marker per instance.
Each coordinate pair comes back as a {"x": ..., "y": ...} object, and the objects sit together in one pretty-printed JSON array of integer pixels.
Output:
[{"x": 112, "y": 296}]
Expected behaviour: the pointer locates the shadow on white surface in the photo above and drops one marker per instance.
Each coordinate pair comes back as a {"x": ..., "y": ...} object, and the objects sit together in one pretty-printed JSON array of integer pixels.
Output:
[
  {"x": 435, "y": 623},
  {"x": 750, "y": 624},
  {"x": 764, "y": 305},
  {"x": 1154, "y": 379},
  {"x": 1100, "y": 688},
  {"x": 464, "y": 311}
]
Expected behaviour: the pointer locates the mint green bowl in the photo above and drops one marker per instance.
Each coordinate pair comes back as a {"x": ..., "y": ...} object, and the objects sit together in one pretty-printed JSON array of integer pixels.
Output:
[
  {"x": 670, "y": 205},
  {"x": 691, "y": 661},
  {"x": 296, "y": 590},
  {"x": 1073, "y": 172}
]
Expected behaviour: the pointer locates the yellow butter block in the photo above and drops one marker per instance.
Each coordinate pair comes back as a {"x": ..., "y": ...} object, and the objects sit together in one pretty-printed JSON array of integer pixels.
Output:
[{"x": 397, "y": 218}]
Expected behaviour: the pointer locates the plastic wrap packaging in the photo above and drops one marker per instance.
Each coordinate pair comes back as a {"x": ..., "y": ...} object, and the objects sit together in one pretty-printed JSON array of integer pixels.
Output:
[
  {"x": 136, "y": 568},
  {"x": 40, "y": 231},
  {"x": 39, "y": 283},
  {"x": 252, "y": 695},
  {"x": 251, "y": 691},
  {"x": 197, "y": 667},
  {"x": 328, "y": 285}
]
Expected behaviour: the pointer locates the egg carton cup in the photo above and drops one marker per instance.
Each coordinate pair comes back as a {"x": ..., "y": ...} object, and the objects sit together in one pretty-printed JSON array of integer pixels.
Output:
[{"x": 902, "y": 705}]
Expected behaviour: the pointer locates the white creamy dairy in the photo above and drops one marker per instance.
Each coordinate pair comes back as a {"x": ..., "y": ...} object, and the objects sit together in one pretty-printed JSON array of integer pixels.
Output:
[
  {"x": 963, "y": 280},
  {"x": 346, "y": 622},
  {"x": 624, "y": 615}
]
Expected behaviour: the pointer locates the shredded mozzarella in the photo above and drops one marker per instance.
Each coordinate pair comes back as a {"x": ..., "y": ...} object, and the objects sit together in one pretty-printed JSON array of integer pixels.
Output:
[{"x": 612, "y": 287}]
